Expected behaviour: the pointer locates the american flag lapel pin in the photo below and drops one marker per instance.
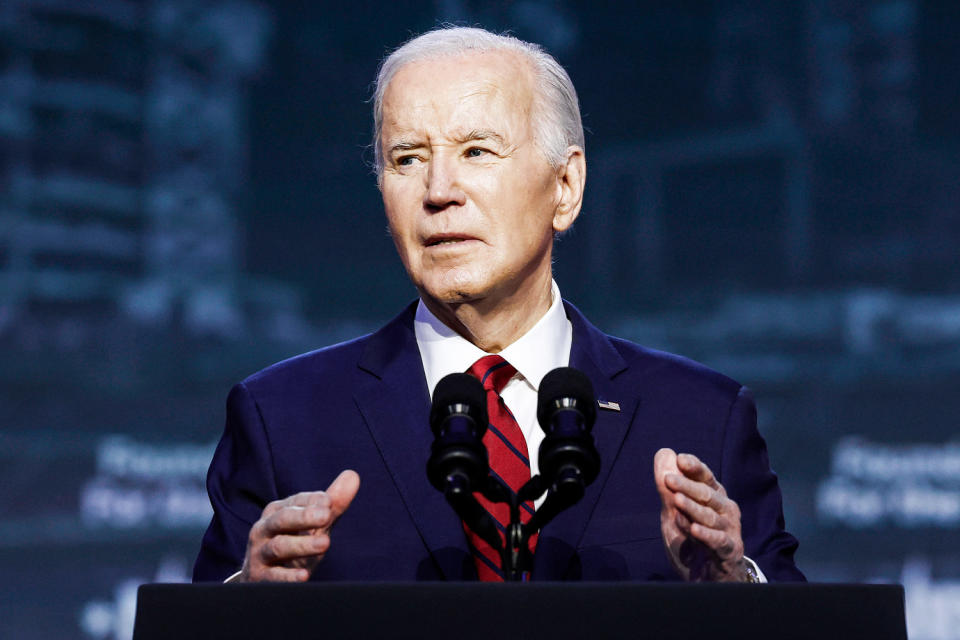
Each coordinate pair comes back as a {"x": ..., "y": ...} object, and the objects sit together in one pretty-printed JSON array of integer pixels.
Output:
[{"x": 609, "y": 406}]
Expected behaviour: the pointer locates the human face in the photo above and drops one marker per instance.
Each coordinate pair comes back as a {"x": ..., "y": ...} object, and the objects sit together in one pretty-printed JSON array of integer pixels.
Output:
[{"x": 471, "y": 202}]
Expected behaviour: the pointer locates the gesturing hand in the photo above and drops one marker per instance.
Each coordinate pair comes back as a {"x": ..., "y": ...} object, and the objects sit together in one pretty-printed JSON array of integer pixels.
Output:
[
  {"x": 293, "y": 534},
  {"x": 699, "y": 523}
]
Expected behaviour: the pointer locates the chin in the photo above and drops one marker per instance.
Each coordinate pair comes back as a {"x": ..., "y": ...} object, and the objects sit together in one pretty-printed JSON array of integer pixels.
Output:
[
  {"x": 454, "y": 290},
  {"x": 453, "y": 296}
]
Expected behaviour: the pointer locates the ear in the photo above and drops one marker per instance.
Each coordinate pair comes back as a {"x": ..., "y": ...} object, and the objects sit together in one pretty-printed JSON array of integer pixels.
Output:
[{"x": 571, "y": 178}]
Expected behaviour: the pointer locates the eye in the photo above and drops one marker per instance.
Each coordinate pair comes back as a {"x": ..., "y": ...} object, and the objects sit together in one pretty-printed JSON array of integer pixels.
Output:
[
  {"x": 405, "y": 161},
  {"x": 476, "y": 152}
]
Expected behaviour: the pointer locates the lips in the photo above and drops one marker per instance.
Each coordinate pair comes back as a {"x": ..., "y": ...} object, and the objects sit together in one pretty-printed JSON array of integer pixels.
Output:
[{"x": 441, "y": 239}]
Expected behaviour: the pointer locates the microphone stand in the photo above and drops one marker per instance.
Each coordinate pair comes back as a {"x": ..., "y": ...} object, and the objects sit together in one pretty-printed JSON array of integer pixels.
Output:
[{"x": 515, "y": 557}]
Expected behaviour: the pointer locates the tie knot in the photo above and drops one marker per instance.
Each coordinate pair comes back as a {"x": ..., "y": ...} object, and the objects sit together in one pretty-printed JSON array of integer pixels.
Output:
[{"x": 493, "y": 372}]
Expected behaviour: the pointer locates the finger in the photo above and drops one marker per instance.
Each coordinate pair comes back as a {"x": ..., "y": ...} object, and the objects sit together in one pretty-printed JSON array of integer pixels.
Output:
[
  {"x": 302, "y": 499},
  {"x": 342, "y": 491},
  {"x": 699, "y": 491},
  {"x": 691, "y": 466},
  {"x": 280, "y": 549},
  {"x": 306, "y": 499},
  {"x": 295, "y": 520},
  {"x": 698, "y": 513},
  {"x": 720, "y": 542},
  {"x": 281, "y": 574}
]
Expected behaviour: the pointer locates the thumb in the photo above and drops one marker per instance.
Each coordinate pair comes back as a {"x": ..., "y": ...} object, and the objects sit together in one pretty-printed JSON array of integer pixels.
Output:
[
  {"x": 342, "y": 492},
  {"x": 664, "y": 462}
]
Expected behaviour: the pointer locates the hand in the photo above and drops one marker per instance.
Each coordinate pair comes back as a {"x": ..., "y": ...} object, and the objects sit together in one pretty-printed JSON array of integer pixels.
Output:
[
  {"x": 699, "y": 523},
  {"x": 293, "y": 534}
]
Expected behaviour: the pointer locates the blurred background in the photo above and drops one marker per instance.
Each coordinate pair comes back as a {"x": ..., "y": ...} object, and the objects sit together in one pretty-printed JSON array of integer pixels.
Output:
[{"x": 185, "y": 198}]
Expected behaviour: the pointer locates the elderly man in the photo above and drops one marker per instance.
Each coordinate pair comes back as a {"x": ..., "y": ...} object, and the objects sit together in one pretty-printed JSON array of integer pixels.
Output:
[{"x": 480, "y": 160}]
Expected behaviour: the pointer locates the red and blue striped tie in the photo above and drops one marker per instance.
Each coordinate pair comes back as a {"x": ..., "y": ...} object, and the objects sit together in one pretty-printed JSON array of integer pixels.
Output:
[{"x": 509, "y": 461}]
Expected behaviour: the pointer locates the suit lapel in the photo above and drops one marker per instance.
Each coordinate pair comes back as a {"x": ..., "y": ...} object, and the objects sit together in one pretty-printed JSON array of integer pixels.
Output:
[
  {"x": 593, "y": 354},
  {"x": 393, "y": 398}
]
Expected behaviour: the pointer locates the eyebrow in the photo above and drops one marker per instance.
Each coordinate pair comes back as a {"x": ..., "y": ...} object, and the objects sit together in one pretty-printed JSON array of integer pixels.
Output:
[
  {"x": 481, "y": 134},
  {"x": 406, "y": 146},
  {"x": 473, "y": 134}
]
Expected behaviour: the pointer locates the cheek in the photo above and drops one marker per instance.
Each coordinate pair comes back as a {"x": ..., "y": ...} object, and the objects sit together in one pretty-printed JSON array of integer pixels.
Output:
[
  {"x": 399, "y": 217},
  {"x": 398, "y": 193},
  {"x": 533, "y": 189}
]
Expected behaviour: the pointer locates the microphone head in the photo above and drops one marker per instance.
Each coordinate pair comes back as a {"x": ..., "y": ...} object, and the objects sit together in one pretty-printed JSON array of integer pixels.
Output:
[
  {"x": 463, "y": 390},
  {"x": 561, "y": 385}
]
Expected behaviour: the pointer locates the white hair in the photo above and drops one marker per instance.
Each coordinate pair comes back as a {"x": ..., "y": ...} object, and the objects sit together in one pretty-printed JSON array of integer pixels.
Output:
[{"x": 556, "y": 110}]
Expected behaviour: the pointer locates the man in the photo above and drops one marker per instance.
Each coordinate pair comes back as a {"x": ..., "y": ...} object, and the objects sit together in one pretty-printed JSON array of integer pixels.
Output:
[{"x": 480, "y": 160}]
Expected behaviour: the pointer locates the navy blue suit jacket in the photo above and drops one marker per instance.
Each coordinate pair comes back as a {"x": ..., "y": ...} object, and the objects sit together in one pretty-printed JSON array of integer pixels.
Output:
[{"x": 364, "y": 405}]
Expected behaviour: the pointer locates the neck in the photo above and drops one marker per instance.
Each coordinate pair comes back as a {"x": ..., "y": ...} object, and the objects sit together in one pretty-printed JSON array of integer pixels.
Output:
[{"x": 493, "y": 324}]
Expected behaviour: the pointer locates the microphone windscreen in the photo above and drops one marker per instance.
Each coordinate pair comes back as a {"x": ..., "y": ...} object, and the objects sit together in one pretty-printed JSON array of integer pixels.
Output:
[
  {"x": 566, "y": 382},
  {"x": 458, "y": 388}
]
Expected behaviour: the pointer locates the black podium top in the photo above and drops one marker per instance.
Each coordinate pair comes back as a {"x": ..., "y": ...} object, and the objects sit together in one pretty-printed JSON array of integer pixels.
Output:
[{"x": 530, "y": 611}]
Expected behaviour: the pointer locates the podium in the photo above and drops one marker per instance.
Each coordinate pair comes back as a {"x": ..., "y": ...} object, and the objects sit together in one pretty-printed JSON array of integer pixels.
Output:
[{"x": 526, "y": 610}]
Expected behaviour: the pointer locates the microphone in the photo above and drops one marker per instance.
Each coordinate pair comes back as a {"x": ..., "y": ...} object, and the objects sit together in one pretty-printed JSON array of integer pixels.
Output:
[
  {"x": 458, "y": 463},
  {"x": 566, "y": 411}
]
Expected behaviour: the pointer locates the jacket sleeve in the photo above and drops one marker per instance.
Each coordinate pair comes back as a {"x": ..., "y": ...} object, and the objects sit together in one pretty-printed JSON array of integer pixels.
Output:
[
  {"x": 240, "y": 483},
  {"x": 746, "y": 475}
]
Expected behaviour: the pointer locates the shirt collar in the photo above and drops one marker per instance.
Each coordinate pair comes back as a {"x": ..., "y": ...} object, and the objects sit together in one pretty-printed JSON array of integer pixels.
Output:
[{"x": 543, "y": 348}]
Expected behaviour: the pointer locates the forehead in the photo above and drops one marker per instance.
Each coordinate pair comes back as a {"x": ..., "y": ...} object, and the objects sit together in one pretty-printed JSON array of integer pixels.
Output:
[{"x": 466, "y": 90}]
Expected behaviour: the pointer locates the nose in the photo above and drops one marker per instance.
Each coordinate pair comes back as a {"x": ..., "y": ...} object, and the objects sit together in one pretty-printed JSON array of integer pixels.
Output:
[{"x": 443, "y": 184}]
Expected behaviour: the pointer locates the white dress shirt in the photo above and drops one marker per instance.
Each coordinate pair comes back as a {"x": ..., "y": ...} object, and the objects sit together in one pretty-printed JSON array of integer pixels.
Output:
[{"x": 540, "y": 350}]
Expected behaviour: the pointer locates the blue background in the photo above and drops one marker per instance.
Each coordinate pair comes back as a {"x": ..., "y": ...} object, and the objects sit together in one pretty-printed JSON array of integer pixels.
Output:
[{"x": 186, "y": 197}]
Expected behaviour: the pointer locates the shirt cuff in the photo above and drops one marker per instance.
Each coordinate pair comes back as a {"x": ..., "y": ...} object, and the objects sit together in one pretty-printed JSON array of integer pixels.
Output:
[
  {"x": 236, "y": 577},
  {"x": 762, "y": 579}
]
